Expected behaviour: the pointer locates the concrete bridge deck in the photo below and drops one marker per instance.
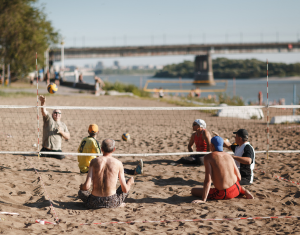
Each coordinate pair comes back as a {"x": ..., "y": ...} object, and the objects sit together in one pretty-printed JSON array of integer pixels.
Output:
[{"x": 189, "y": 49}]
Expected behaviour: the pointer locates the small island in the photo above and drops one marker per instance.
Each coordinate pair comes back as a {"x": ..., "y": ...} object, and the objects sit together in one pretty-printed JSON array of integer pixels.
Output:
[{"x": 227, "y": 68}]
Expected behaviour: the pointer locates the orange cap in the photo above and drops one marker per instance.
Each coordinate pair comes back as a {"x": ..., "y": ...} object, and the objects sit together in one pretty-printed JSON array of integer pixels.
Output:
[{"x": 93, "y": 128}]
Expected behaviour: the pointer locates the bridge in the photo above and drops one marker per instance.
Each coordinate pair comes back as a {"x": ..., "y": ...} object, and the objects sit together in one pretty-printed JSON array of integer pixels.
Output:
[{"x": 202, "y": 52}]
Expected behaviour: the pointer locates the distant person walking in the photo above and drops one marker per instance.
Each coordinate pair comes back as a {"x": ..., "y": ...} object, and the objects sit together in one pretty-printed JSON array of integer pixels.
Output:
[
  {"x": 98, "y": 85},
  {"x": 161, "y": 93},
  {"x": 76, "y": 77},
  {"x": 260, "y": 98}
]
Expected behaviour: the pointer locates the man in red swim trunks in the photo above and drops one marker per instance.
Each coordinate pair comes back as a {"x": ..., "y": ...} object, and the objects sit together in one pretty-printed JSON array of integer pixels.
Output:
[
  {"x": 201, "y": 138},
  {"x": 220, "y": 169}
]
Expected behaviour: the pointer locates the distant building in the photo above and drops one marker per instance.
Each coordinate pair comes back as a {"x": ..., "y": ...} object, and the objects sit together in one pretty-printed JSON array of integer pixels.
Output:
[
  {"x": 149, "y": 66},
  {"x": 99, "y": 65},
  {"x": 158, "y": 67},
  {"x": 116, "y": 64},
  {"x": 70, "y": 67}
]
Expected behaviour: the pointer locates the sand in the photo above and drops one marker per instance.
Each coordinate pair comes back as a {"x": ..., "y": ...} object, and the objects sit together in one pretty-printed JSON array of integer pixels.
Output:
[{"x": 162, "y": 193}]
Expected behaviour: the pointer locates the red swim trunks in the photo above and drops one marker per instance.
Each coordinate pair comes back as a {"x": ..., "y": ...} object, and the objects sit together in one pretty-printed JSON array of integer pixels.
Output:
[{"x": 232, "y": 192}]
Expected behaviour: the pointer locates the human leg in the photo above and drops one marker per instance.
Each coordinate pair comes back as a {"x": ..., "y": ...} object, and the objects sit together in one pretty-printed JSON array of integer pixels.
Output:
[
  {"x": 83, "y": 195},
  {"x": 245, "y": 181},
  {"x": 50, "y": 155},
  {"x": 245, "y": 192},
  {"x": 138, "y": 170},
  {"x": 128, "y": 172},
  {"x": 192, "y": 160}
]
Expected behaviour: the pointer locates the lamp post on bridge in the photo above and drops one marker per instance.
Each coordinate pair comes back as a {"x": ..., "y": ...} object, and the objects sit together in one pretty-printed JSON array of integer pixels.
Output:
[{"x": 63, "y": 59}]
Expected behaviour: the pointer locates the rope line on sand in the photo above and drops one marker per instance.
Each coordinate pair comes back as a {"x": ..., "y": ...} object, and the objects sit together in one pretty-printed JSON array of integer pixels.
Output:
[
  {"x": 178, "y": 220},
  {"x": 8, "y": 213},
  {"x": 42, "y": 182},
  {"x": 279, "y": 177}
]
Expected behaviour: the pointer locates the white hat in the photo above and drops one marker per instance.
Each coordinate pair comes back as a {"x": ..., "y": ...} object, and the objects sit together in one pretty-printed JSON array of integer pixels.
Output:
[{"x": 200, "y": 122}]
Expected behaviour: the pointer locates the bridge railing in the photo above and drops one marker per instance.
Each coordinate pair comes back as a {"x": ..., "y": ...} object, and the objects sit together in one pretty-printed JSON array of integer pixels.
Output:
[{"x": 170, "y": 39}]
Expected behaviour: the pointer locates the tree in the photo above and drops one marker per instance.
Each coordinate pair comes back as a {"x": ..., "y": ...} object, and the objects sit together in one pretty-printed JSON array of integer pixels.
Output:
[{"x": 24, "y": 30}]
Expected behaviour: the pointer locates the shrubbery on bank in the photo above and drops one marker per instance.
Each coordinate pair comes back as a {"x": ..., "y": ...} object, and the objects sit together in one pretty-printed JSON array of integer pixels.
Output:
[
  {"x": 226, "y": 68},
  {"x": 121, "y": 87}
]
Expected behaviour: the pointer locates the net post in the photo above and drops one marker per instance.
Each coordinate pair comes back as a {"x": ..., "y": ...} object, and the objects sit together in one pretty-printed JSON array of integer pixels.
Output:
[
  {"x": 267, "y": 110},
  {"x": 37, "y": 105}
]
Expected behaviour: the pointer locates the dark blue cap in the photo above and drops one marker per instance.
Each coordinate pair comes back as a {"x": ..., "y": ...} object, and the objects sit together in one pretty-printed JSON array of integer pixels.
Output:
[{"x": 218, "y": 142}]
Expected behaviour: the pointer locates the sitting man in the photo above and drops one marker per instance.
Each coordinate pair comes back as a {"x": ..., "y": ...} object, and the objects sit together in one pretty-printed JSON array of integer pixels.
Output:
[
  {"x": 104, "y": 171},
  {"x": 201, "y": 137},
  {"x": 91, "y": 145},
  {"x": 53, "y": 131},
  {"x": 88, "y": 145},
  {"x": 244, "y": 156},
  {"x": 223, "y": 172}
]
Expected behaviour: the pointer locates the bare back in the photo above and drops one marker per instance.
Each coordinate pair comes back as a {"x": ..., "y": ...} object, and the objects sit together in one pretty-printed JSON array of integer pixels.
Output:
[
  {"x": 105, "y": 171},
  {"x": 222, "y": 169}
]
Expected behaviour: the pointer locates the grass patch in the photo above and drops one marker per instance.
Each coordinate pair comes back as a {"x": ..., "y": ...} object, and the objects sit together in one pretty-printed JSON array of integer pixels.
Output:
[
  {"x": 121, "y": 87},
  {"x": 16, "y": 94}
]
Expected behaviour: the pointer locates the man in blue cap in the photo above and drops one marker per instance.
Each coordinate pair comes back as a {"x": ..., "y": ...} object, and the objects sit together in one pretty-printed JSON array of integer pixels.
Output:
[{"x": 221, "y": 170}]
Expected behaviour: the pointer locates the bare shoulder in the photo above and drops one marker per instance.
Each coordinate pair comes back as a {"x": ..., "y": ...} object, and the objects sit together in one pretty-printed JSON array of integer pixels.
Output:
[
  {"x": 115, "y": 161},
  {"x": 209, "y": 156}
]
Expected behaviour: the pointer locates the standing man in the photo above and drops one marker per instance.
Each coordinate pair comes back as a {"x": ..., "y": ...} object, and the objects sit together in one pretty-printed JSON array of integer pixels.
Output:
[
  {"x": 104, "y": 172},
  {"x": 88, "y": 145},
  {"x": 76, "y": 76},
  {"x": 244, "y": 156},
  {"x": 220, "y": 170},
  {"x": 53, "y": 131},
  {"x": 201, "y": 138}
]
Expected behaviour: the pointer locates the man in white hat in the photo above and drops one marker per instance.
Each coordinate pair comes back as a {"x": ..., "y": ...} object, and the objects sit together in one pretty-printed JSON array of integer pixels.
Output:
[{"x": 201, "y": 138}]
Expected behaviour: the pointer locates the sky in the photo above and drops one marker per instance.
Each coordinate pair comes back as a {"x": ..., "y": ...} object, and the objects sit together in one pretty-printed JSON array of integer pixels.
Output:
[{"x": 101, "y": 23}]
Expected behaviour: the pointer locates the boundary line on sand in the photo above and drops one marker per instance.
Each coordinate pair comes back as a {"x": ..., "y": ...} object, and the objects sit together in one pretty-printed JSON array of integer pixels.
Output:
[{"x": 43, "y": 222}]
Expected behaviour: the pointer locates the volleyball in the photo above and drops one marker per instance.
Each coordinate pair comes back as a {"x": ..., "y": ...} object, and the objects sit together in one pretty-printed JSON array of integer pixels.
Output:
[
  {"x": 52, "y": 88},
  {"x": 126, "y": 136}
]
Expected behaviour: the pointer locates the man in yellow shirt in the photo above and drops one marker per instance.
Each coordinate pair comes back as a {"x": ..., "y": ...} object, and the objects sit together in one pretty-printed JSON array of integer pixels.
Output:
[
  {"x": 88, "y": 145},
  {"x": 91, "y": 145}
]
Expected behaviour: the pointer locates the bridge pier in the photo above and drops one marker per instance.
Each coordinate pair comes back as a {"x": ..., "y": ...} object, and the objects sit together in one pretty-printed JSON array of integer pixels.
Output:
[{"x": 204, "y": 69}]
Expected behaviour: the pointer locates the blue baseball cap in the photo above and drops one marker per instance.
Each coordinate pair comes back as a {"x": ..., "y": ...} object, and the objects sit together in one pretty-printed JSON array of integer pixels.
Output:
[{"x": 218, "y": 142}]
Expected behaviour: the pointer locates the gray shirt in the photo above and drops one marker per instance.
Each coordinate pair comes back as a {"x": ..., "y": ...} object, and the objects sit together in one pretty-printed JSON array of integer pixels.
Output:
[{"x": 51, "y": 139}]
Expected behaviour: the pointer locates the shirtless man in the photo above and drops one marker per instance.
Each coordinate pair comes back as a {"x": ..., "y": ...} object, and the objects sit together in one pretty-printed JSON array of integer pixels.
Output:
[
  {"x": 104, "y": 171},
  {"x": 201, "y": 138},
  {"x": 220, "y": 169}
]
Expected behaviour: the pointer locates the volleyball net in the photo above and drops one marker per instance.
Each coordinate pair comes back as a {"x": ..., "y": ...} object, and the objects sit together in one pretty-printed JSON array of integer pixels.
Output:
[{"x": 152, "y": 129}]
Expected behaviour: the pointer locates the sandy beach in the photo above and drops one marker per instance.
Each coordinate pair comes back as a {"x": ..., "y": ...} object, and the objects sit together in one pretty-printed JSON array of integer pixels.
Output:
[{"x": 162, "y": 192}]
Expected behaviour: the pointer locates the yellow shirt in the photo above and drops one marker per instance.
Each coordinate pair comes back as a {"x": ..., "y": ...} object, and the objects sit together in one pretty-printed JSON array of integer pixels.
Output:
[{"x": 87, "y": 145}]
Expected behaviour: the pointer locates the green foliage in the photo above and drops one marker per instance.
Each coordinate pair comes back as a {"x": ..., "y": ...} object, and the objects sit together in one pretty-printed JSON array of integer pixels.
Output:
[
  {"x": 15, "y": 94},
  {"x": 226, "y": 68},
  {"x": 226, "y": 99},
  {"x": 24, "y": 31},
  {"x": 184, "y": 70},
  {"x": 121, "y": 87}
]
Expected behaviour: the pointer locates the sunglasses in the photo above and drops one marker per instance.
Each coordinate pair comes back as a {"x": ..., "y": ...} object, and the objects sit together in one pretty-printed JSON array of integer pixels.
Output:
[
  {"x": 194, "y": 124},
  {"x": 57, "y": 113}
]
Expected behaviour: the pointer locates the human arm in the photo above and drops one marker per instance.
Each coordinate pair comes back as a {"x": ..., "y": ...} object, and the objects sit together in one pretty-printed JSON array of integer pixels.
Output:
[
  {"x": 227, "y": 144},
  {"x": 207, "y": 138},
  {"x": 87, "y": 184},
  {"x": 207, "y": 180},
  {"x": 236, "y": 171},
  {"x": 125, "y": 187},
  {"x": 190, "y": 145},
  {"x": 64, "y": 134},
  {"x": 247, "y": 156},
  {"x": 43, "y": 101}
]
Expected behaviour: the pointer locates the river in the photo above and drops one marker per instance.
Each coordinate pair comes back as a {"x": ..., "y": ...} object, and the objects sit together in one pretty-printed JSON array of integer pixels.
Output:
[{"x": 246, "y": 88}]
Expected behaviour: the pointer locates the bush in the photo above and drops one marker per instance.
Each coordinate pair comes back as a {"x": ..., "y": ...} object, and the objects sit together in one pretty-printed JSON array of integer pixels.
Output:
[{"x": 121, "y": 87}]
